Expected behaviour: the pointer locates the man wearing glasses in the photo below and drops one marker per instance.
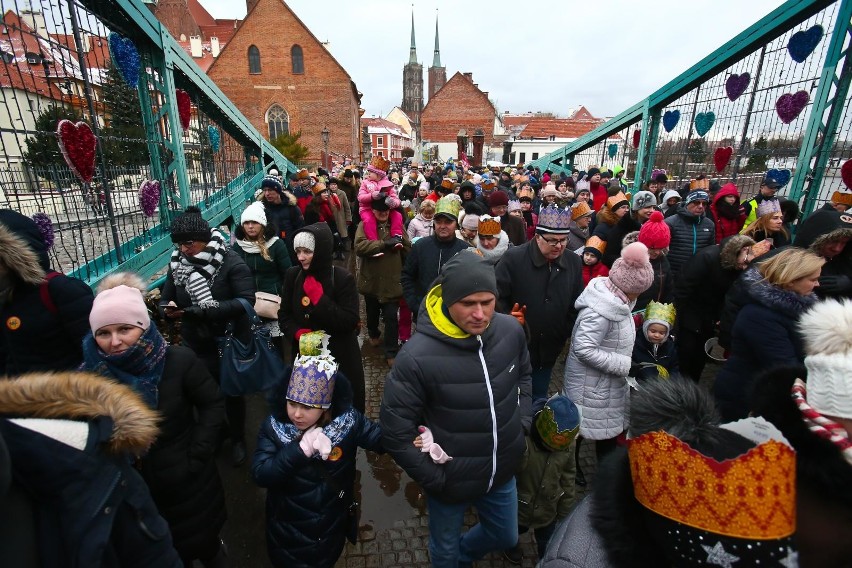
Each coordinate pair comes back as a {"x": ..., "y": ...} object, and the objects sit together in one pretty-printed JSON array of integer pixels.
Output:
[{"x": 538, "y": 283}]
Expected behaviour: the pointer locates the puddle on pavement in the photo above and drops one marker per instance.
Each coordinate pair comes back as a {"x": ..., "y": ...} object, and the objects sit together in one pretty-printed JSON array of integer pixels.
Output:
[{"x": 387, "y": 494}]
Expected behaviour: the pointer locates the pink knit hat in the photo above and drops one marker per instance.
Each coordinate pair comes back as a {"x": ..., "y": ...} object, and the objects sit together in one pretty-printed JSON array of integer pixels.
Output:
[
  {"x": 121, "y": 304},
  {"x": 632, "y": 272}
]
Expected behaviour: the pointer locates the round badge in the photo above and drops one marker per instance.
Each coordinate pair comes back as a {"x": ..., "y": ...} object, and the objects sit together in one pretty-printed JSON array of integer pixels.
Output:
[
  {"x": 306, "y": 301},
  {"x": 336, "y": 454},
  {"x": 13, "y": 323}
]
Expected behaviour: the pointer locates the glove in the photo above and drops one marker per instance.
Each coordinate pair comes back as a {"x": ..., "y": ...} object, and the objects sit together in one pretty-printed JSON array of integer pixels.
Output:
[
  {"x": 435, "y": 451},
  {"x": 300, "y": 332},
  {"x": 322, "y": 444},
  {"x": 376, "y": 194},
  {"x": 519, "y": 313},
  {"x": 392, "y": 202},
  {"x": 389, "y": 243},
  {"x": 438, "y": 455},
  {"x": 426, "y": 438},
  {"x": 194, "y": 312},
  {"x": 313, "y": 289},
  {"x": 834, "y": 284},
  {"x": 307, "y": 441}
]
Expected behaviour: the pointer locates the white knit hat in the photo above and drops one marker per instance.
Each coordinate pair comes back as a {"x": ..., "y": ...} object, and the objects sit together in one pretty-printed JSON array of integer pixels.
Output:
[
  {"x": 254, "y": 212},
  {"x": 305, "y": 240},
  {"x": 827, "y": 332}
]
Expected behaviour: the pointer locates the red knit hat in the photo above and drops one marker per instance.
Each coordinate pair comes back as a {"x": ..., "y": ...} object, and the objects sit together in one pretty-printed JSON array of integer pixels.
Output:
[
  {"x": 655, "y": 234},
  {"x": 498, "y": 198}
]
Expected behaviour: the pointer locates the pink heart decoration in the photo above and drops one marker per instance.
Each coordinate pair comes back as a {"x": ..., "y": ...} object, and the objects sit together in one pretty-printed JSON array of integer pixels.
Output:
[
  {"x": 149, "y": 196},
  {"x": 846, "y": 173},
  {"x": 736, "y": 85},
  {"x": 637, "y": 136},
  {"x": 77, "y": 143},
  {"x": 789, "y": 106},
  {"x": 722, "y": 156},
  {"x": 184, "y": 105}
]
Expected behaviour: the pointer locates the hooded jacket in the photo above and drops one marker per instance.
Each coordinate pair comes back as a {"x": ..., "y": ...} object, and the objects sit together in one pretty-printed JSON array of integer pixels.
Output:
[
  {"x": 819, "y": 229},
  {"x": 42, "y": 323},
  {"x": 423, "y": 265},
  {"x": 690, "y": 234},
  {"x": 625, "y": 226},
  {"x": 473, "y": 392},
  {"x": 71, "y": 438},
  {"x": 667, "y": 211},
  {"x": 285, "y": 217},
  {"x": 599, "y": 361},
  {"x": 729, "y": 219}
]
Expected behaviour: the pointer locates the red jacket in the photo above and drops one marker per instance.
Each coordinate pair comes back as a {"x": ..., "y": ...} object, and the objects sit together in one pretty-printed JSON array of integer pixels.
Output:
[
  {"x": 599, "y": 195},
  {"x": 729, "y": 218},
  {"x": 593, "y": 271}
]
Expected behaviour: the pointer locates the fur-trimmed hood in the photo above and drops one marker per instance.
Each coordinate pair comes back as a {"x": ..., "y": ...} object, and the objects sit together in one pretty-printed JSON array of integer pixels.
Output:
[
  {"x": 287, "y": 198},
  {"x": 773, "y": 297},
  {"x": 84, "y": 397},
  {"x": 19, "y": 257},
  {"x": 823, "y": 227},
  {"x": 730, "y": 248}
]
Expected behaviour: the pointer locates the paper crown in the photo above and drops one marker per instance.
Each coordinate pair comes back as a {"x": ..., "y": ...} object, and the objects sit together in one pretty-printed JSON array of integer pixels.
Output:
[
  {"x": 313, "y": 377},
  {"x": 768, "y": 207},
  {"x": 596, "y": 243},
  {"x": 447, "y": 183},
  {"x": 618, "y": 199},
  {"x": 318, "y": 187},
  {"x": 448, "y": 205},
  {"x": 580, "y": 209},
  {"x": 529, "y": 193},
  {"x": 699, "y": 184},
  {"x": 302, "y": 174},
  {"x": 554, "y": 219},
  {"x": 752, "y": 496},
  {"x": 558, "y": 423},
  {"x": 489, "y": 225},
  {"x": 842, "y": 197},
  {"x": 487, "y": 184},
  {"x": 656, "y": 312},
  {"x": 380, "y": 164}
]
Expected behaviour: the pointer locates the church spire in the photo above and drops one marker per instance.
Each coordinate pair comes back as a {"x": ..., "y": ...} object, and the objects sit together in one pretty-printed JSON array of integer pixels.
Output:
[
  {"x": 436, "y": 60},
  {"x": 412, "y": 57}
]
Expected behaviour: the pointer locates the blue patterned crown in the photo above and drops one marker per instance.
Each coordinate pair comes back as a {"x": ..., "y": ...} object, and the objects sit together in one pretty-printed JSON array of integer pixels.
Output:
[
  {"x": 554, "y": 219},
  {"x": 313, "y": 376}
]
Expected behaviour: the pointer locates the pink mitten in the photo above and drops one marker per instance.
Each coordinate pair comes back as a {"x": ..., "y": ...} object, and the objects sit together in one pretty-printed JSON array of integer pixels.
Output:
[
  {"x": 426, "y": 438},
  {"x": 377, "y": 194},
  {"x": 438, "y": 455},
  {"x": 392, "y": 202},
  {"x": 307, "y": 441},
  {"x": 322, "y": 444}
]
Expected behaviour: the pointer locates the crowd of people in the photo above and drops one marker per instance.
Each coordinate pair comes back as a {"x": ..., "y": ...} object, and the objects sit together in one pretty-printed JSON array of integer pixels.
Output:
[{"x": 476, "y": 283}]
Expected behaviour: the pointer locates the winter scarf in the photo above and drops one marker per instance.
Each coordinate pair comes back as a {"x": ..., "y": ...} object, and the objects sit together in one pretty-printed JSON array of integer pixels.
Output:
[
  {"x": 819, "y": 424},
  {"x": 727, "y": 210},
  {"x": 196, "y": 273},
  {"x": 336, "y": 430},
  {"x": 140, "y": 367},
  {"x": 250, "y": 247}
]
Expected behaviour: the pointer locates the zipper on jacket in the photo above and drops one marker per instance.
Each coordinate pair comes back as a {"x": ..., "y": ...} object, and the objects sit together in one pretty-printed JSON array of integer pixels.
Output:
[{"x": 493, "y": 414}]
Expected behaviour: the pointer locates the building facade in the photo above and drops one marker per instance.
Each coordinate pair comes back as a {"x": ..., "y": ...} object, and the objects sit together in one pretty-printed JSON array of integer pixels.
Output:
[
  {"x": 387, "y": 139},
  {"x": 412, "y": 85}
]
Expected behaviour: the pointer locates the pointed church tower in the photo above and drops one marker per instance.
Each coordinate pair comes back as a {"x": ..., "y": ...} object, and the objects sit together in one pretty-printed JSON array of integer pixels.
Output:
[
  {"x": 437, "y": 73},
  {"x": 412, "y": 84}
]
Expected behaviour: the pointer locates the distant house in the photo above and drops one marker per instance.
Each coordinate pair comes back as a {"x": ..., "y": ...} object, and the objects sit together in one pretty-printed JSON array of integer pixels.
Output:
[
  {"x": 535, "y": 135},
  {"x": 387, "y": 139}
]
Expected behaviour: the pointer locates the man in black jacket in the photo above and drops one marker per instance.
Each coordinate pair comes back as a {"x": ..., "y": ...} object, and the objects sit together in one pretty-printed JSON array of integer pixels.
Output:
[{"x": 463, "y": 383}]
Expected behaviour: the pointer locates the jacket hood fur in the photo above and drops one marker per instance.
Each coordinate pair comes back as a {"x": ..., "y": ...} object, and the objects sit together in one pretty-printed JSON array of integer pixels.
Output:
[
  {"x": 19, "y": 257},
  {"x": 730, "y": 248},
  {"x": 83, "y": 396},
  {"x": 287, "y": 198},
  {"x": 773, "y": 297}
]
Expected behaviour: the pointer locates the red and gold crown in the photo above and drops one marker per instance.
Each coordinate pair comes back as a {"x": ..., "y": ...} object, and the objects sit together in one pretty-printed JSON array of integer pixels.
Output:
[
  {"x": 489, "y": 226},
  {"x": 379, "y": 163},
  {"x": 752, "y": 496}
]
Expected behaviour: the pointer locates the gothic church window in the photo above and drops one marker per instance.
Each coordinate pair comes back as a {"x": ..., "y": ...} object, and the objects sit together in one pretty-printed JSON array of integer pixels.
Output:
[
  {"x": 254, "y": 60},
  {"x": 278, "y": 121},
  {"x": 298, "y": 60}
]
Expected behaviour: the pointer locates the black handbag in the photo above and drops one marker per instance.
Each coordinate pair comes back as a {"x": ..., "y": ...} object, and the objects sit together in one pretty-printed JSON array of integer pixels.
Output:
[{"x": 249, "y": 368}]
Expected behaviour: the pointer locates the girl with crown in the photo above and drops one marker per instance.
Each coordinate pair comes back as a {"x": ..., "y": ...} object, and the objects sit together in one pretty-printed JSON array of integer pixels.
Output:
[{"x": 375, "y": 186}]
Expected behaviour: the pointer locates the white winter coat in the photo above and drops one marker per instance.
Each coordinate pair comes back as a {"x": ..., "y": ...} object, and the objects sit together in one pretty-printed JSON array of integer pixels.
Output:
[{"x": 599, "y": 361}]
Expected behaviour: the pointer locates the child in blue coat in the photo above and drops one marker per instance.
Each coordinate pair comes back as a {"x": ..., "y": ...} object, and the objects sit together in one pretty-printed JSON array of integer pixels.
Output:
[
  {"x": 654, "y": 352},
  {"x": 305, "y": 457}
]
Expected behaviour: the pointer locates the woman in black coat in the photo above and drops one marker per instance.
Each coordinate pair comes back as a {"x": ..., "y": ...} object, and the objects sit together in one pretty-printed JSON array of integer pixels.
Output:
[
  {"x": 764, "y": 334},
  {"x": 180, "y": 467},
  {"x": 318, "y": 295},
  {"x": 202, "y": 289}
]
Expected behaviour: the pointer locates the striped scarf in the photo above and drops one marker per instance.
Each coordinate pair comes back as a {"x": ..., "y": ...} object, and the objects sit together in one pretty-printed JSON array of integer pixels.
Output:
[
  {"x": 819, "y": 424},
  {"x": 196, "y": 273},
  {"x": 336, "y": 430}
]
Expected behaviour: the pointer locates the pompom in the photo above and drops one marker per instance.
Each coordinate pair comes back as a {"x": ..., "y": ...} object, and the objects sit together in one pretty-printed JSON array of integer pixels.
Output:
[
  {"x": 130, "y": 279},
  {"x": 635, "y": 254},
  {"x": 827, "y": 328},
  {"x": 45, "y": 227},
  {"x": 656, "y": 217}
]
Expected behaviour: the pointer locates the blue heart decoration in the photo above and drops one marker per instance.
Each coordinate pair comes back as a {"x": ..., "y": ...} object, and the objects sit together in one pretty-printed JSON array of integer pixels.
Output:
[
  {"x": 804, "y": 42},
  {"x": 612, "y": 150},
  {"x": 215, "y": 137},
  {"x": 704, "y": 122},
  {"x": 670, "y": 119},
  {"x": 781, "y": 176},
  {"x": 125, "y": 57}
]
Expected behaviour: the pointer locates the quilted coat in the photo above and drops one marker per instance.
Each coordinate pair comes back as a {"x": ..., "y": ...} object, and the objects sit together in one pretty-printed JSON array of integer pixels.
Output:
[{"x": 599, "y": 361}]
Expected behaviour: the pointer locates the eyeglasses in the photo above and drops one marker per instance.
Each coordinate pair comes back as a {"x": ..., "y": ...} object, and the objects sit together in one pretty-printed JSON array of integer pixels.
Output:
[
  {"x": 555, "y": 242},
  {"x": 184, "y": 244}
]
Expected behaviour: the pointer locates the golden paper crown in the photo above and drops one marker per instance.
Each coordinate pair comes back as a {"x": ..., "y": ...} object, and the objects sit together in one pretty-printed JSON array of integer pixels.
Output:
[
  {"x": 596, "y": 243},
  {"x": 752, "y": 496},
  {"x": 447, "y": 183},
  {"x": 302, "y": 174},
  {"x": 656, "y": 311},
  {"x": 699, "y": 184},
  {"x": 380, "y": 163},
  {"x": 489, "y": 225}
]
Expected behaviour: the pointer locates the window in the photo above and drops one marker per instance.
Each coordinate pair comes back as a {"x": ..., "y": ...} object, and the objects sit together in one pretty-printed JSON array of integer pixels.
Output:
[
  {"x": 7, "y": 57},
  {"x": 535, "y": 156},
  {"x": 523, "y": 158},
  {"x": 254, "y": 60},
  {"x": 380, "y": 141},
  {"x": 298, "y": 61},
  {"x": 278, "y": 121},
  {"x": 381, "y": 154}
]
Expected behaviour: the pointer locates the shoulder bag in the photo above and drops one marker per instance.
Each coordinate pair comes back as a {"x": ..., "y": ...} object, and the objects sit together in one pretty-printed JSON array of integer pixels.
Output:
[{"x": 252, "y": 367}]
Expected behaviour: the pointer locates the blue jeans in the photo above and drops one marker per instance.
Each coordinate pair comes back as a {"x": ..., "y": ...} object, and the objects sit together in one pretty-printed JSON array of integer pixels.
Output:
[
  {"x": 540, "y": 381},
  {"x": 497, "y": 528}
]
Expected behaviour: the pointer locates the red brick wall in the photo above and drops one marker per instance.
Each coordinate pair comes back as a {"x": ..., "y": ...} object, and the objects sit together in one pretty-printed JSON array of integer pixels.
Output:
[
  {"x": 458, "y": 105},
  {"x": 321, "y": 97}
]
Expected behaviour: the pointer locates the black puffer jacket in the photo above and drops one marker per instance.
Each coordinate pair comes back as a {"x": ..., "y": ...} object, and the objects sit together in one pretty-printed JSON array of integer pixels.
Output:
[
  {"x": 285, "y": 218},
  {"x": 625, "y": 226},
  {"x": 690, "y": 234},
  {"x": 306, "y": 520},
  {"x": 422, "y": 266},
  {"x": 548, "y": 290},
  {"x": 477, "y": 415},
  {"x": 233, "y": 280},
  {"x": 42, "y": 323},
  {"x": 180, "y": 468}
]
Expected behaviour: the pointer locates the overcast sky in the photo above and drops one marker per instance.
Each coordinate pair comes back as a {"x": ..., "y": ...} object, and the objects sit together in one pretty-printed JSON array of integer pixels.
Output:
[{"x": 535, "y": 55}]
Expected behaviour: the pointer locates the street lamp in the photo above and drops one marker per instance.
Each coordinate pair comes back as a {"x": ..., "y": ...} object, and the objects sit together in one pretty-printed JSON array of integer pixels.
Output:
[{"x": 325, "y": 134}]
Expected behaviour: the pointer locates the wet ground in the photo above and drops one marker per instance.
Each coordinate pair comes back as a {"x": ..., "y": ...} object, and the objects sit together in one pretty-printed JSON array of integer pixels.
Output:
[{"x": 393, "y": 530}]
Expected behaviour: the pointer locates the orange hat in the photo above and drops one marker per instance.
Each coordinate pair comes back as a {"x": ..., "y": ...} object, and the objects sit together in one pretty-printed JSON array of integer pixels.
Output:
[
  {"x": 581, "y": 209},
  {"x": 616, "y": 201},
  {"x": 596, "y": 244}
]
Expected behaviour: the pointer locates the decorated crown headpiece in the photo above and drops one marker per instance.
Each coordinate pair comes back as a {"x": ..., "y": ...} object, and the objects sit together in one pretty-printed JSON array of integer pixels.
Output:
[
  {"x": 448, "y": 183},
  {"x": 379, "y": 165},
  {"x": 489, "y": 225},
  {"x": 699, "y": 184},
  {"x": 448, "y": 205},
  {"x": 656, "y": 312},
  {"x": 303, "y": 174},
  {"x": 752, "y": 496},
  {"x": 554, "y": 219},
  {"x": 595, "y": 242},
  {"x": 314, "y": 372},
  {"x": 558, "y": 423},
  {"x": 526, "y": 192},
  {"x": 580, "y": 209}
]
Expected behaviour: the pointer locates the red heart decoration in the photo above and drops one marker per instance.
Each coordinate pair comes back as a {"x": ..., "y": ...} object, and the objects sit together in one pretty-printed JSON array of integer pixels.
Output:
[
  {"x": 184, "y": 104},
  {"x": 846, "y": 173},
  {"x": 637, "y": 136},
  {"x": 722, "y": 156},
  {"x": 77, "y": 143}
]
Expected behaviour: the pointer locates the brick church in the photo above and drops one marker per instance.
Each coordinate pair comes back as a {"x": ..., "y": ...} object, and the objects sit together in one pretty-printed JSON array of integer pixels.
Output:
[{"x": 283, "y": 82}]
